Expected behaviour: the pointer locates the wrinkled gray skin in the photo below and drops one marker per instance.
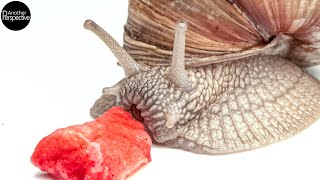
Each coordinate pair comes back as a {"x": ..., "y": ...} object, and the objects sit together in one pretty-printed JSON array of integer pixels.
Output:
[{"x": 227, "y": 107}]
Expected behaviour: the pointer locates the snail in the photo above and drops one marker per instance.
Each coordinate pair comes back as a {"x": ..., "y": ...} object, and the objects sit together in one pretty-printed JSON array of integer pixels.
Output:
[{"x": 217, "y": 77}]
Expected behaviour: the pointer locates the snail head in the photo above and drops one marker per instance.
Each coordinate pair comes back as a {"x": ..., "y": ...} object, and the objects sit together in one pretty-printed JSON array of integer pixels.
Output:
[{"x": 156, "y": 96}]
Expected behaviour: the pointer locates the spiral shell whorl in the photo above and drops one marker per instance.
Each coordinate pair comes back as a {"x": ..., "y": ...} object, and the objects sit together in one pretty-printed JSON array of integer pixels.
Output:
[{"x": 218, "y": 28}]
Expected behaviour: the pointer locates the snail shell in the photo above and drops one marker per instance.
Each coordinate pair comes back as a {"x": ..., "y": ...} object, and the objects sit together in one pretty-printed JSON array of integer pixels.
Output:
[
  {"x": 219, "y": 76},
  {"x": 218, "y": 28}
]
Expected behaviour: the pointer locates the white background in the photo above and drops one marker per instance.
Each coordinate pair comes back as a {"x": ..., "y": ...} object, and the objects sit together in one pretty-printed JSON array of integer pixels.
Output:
[{"x": 51, "y": 73}]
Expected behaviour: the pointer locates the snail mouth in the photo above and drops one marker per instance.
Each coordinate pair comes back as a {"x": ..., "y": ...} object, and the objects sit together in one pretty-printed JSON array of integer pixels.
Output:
[
  {"x": 149, "y": 114},
  {"x": 136, "y": 113},
  {"x": 153, "y": 121}
]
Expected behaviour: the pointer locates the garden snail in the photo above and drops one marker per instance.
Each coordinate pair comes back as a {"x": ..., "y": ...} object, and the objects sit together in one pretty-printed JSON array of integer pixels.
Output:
[{"x": 217, "y": 77}]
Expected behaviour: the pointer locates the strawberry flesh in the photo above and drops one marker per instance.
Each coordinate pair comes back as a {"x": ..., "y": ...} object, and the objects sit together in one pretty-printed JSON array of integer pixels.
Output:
[{"x": 112, "y": 147}]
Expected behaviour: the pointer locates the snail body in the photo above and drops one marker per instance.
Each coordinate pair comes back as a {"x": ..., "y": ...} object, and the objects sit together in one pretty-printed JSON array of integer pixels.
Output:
[{"x": 217, "y": 77}]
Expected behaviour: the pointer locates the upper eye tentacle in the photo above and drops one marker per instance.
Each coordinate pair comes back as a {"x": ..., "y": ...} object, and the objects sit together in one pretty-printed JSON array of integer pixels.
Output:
[
  {"x": 178, "y": 74},
  {"x": 129, "y": 65}
]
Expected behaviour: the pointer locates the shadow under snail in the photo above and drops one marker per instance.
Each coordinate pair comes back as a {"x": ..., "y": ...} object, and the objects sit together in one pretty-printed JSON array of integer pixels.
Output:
[{"x": 217, "y": 76}]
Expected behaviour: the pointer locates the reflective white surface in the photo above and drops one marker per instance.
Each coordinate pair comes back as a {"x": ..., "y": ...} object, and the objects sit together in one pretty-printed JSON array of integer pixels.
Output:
[{"x": 52, "y": 72}]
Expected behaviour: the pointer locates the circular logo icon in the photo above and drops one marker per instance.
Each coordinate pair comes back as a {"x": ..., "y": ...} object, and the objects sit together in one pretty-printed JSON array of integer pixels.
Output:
[{"x": 15, "y": 15}]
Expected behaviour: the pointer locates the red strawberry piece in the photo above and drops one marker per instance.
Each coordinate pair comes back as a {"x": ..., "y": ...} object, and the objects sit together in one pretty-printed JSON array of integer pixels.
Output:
[{"x": 112, "y": 147}]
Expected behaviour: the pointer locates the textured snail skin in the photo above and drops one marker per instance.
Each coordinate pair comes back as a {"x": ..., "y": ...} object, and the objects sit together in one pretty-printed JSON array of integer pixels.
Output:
[
  {"x": 232, "y": 107},
  {"x": 225, "y": 102}
]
